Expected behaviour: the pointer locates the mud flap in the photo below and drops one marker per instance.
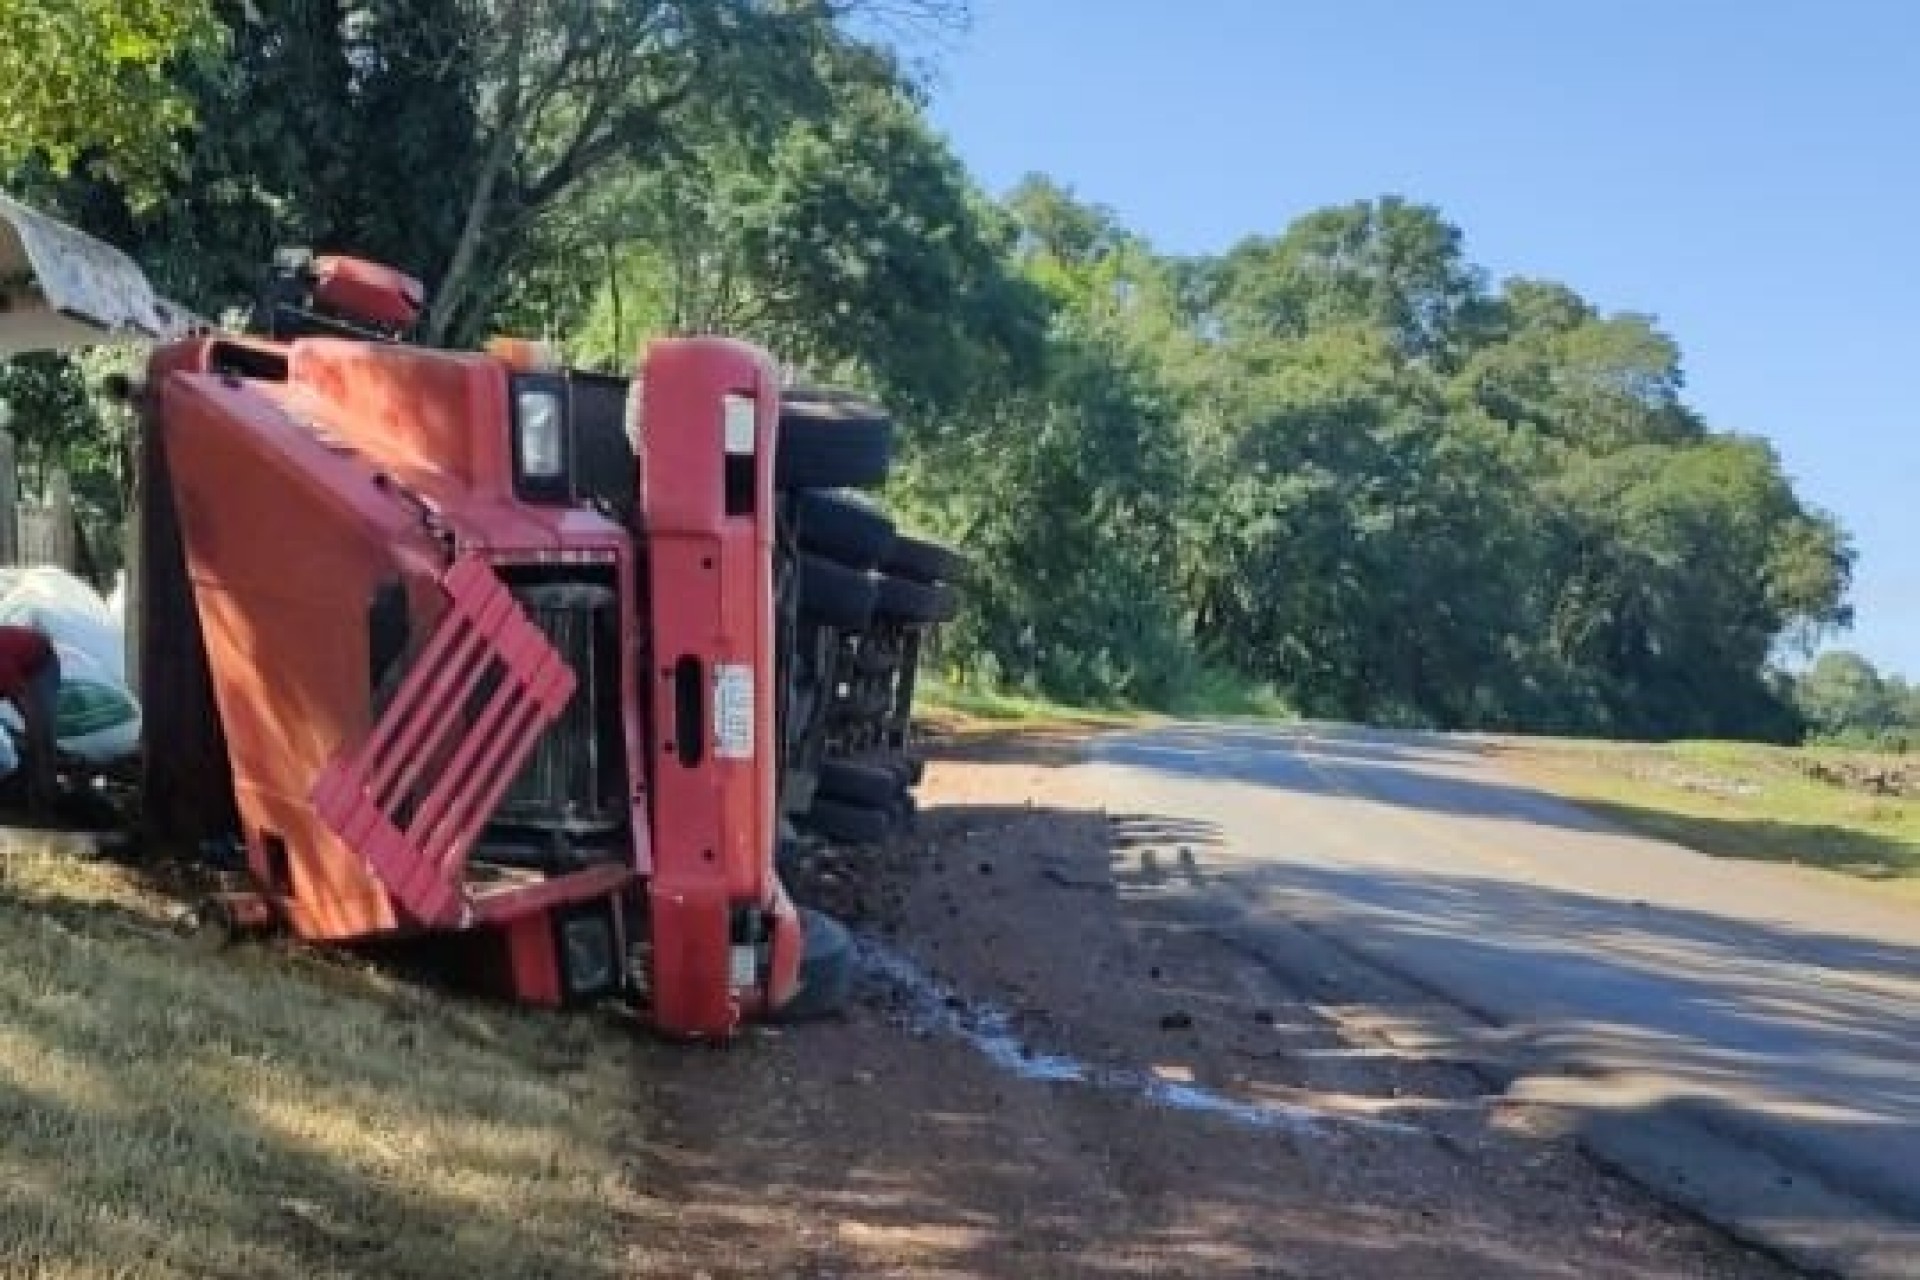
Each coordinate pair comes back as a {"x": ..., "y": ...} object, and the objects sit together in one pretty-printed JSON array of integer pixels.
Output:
[{"x": 414, "y": 797}]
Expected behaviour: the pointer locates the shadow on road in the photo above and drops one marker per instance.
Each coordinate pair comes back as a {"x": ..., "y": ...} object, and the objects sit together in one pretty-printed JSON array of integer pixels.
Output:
[
  {"x": 1412, "y": 775},
  {"x": 1667, "y": 1009},
  {"x": 1423, "y": 775}
]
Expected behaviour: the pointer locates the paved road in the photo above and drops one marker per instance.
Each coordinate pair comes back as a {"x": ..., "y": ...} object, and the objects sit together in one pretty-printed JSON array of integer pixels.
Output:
[{"x": 1742, "y": 1036}]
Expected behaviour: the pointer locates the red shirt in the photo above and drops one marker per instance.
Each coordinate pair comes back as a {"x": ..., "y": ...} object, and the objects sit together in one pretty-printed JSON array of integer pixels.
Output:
[{"x": 23, "y": 651}]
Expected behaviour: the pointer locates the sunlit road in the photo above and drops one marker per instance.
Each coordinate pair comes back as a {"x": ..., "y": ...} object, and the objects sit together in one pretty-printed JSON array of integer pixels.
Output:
[{"x": 1744, "y": 1037}]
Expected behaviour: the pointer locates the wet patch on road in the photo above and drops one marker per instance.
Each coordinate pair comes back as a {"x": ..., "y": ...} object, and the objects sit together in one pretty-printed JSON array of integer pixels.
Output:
[{"x": 925, "y": 1006}]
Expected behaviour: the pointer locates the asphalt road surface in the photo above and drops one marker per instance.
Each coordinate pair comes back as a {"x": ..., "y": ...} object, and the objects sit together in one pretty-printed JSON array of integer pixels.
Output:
[{"x": 1744, "y": 1038}]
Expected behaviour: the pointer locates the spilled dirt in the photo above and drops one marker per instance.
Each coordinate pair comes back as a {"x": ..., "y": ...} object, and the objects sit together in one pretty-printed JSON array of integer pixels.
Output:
[{"x": 1057, "y": 1067}]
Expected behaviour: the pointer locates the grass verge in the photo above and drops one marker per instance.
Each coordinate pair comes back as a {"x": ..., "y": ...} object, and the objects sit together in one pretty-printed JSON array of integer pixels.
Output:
[
  {"x": 261, "y": 1112},
  {"x": 1211, "y": 697},
  {"x": 1816, "y": 807},
  {"x": 936, "y": 700}
]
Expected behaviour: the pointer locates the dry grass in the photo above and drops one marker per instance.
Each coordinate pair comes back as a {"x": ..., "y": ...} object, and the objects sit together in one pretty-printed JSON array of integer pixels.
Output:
[
  {"x": 1740, "y": 800},
  {"x": 257, "y": 1112}
]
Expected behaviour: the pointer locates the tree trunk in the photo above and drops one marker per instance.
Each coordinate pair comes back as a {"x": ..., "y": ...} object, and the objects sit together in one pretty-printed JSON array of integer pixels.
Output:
[
  {"x": 458, "y": 280},
  {"x": 455, "y": 285}
]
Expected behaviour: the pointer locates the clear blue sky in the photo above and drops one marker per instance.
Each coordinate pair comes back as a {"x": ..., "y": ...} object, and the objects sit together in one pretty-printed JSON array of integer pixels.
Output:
[{"x": 1749, "y": 173}]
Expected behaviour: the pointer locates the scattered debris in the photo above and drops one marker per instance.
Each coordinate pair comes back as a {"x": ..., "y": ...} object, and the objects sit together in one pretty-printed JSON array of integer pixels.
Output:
[
  {"x": 1875, "y": 777},
  {"x": 1672, "y": 775},
  {"x": 1070, "y": 876}
]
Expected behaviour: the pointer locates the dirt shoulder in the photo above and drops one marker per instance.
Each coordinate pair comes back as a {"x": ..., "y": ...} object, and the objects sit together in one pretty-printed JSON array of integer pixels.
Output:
[{"x": 1059, "y": 1067}]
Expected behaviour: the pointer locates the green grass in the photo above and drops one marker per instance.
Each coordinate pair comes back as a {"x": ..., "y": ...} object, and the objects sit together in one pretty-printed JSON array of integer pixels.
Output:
[
  {"x": 938, "y": 697},
  {"x": 1211, "y": 697},
  {"x": 1740, "y": 800},
  {"x": 1214, "y": 695}
]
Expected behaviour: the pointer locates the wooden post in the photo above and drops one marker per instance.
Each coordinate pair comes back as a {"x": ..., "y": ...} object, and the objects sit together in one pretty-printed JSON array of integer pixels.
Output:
[
  {"x": 9, "y": 502},
  {"x": 60, "y": 547}
]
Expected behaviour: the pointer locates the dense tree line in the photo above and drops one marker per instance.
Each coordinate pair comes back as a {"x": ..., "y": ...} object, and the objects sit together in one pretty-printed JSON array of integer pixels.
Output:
[
  {"x": 1845, "y": 699},
  {"x": 1335, "y": 460}
]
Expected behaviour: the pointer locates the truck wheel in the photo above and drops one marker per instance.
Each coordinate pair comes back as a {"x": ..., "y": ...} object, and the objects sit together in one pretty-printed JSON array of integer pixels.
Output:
[
  {"x": 916, "y": 602},
  {"x": 854, "y": 824},
  {"x": 826, "y": 970},
  {"x": 842, "y": 527},
  {"x": 836, "y": 595},
  {"x": 921, "y": 560},
  {"x": 831, "y": 440},
  {"x": 862, "y": 784}
]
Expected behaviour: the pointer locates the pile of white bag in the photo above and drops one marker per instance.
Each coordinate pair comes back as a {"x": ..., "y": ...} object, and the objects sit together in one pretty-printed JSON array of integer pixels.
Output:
[{"x": 98, "y": 717}]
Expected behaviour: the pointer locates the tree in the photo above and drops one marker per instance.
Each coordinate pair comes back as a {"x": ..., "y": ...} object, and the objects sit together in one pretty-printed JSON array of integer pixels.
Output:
[
  {"x": 1843, "y": 695},
  {"x": 569, "y": 90},
  {"x": 1332, "y": 459},
  {"x": 1549, "y": 362},
  {"x": 1418, "y": 500},
  {"x": 49, "y": 415},
  {"x": 849, "y": 240},
  {"x": 1387, "y": 264},
  {"x": 49, "y": 406},
  {"x": 1066, "y": 489},
  {"x": 94, "y": 81},
  {"x": 450, "y": 137},
  {"x": 328, "y": 124}
]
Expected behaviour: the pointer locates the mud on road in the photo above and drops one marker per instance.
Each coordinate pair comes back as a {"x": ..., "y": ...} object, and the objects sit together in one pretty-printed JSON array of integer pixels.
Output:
[{"x": 1057, "y": 1066}]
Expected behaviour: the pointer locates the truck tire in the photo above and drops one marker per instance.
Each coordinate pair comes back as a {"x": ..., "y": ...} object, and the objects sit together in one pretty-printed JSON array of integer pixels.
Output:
[
  {"x": 853, "y": 824},
  {"x": 903, "y": 600},
  {"x": 827, "y": 964},
  {"x": 834, "y": 595},
  {"x": 861, "y": 784},
  {"x": 921, "y": 560},
  {"x": 831, "y": 440},
  {"x": 842, "y": 527}
]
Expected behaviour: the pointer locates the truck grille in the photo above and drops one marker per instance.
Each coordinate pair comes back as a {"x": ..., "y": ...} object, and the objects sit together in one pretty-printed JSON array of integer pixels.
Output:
[{"x": 572, "y": 787}]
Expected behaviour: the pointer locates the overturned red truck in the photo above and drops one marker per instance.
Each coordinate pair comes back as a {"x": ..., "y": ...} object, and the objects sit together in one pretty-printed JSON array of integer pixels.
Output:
[{"x": 473, "y": 645}]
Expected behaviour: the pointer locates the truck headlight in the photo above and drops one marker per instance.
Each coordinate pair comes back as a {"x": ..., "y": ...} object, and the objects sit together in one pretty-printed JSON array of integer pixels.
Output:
[{"x": 539, "y": 419}]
